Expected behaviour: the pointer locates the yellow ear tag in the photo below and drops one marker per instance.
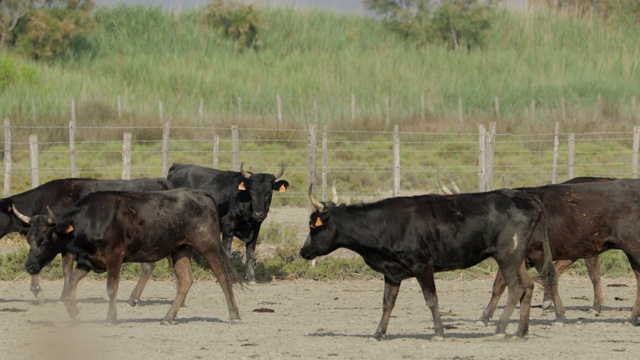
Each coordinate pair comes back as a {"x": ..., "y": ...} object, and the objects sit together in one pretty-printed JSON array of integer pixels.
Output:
[
  {"x": 69, "y": 228},
  {"x": 318, "y": 222},
  {"x": 282, "y": 188},
  {"x": 241, "y": 186}
]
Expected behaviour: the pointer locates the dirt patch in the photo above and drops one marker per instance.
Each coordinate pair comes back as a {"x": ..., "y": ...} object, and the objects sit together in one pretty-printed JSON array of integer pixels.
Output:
[{"x": 308, "y": 319}]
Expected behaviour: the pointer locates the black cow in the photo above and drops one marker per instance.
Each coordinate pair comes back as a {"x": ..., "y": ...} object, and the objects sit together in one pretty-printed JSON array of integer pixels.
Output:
[
  {"x": 562, "y": 260},
  {"x": 586, "y": 219},
  {"x": 60, "y": 194},
  {"x": 406, "y": 237},
  {"x": 243, "y": 200},
  {"x": 106, "y": 229}
]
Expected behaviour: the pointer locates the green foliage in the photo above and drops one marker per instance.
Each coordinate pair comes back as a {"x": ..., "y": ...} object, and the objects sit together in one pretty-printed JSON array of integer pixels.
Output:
[
  {"x": 15, "y": 72},
  {"x": 455, "y": 23},
  {"x": 49, "y": 30},
  {"x": 237, "y": 21}
]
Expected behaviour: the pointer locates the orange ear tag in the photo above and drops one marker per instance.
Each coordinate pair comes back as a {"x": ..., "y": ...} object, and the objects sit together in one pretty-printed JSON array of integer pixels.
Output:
[
  {"x": 241, "y": 186},
  {"x": 69, "y": 228},
  {"x": 282, "y": 188},
  {"x": 318, "y": 222}
]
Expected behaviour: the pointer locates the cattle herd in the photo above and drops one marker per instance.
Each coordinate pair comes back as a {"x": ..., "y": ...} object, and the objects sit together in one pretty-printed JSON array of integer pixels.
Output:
[{"x": 101, "y": 224}]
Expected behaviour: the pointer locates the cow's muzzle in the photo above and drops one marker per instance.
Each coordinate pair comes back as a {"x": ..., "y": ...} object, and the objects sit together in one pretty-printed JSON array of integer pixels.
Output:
[{"x": 32, "y": 268}]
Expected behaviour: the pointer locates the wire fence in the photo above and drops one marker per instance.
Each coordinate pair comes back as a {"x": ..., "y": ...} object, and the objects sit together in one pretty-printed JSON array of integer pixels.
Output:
[{"x": 365, "y": 165}]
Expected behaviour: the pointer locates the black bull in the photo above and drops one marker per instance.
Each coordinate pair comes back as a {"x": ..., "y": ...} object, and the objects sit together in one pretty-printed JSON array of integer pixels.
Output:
[
  {"x": 243, "y": 200},
  {"x": 60, "y": 194},
  {"x": 106, "y": 229},
  {"x": 417, "y": 236}
]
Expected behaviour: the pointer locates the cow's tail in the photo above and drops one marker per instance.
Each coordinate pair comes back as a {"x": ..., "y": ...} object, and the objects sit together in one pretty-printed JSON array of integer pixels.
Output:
[
  {"x": 548, "y": 272},
  {"x": 229, "y": 270}
]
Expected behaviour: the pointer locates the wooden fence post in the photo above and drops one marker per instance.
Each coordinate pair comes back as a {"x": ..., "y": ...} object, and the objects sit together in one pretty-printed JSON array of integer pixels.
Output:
[
  {"x": 126, "y": 156},
  {"x": 201, "y": 111},
  {"x": 119, "y": 106},
  {"x": 396, "y": 160},
  {"x": 636, "y": 146},
  {"x": 572, "y": 144},
  {"x": 460, "y": 112},
  {"x": 33, "y": 151},
  {"x": 165, "y": 148},
  {"x": 216, "y": 149},
  {"x": 633, "y": 107},
  {"x": 239, "y": 108},
  {"x": 556, "y": 148},
  {"x": 353, "y": 107},
  {"x": 387, "y": 106},
  {"x": 72, "y": 139},
  {"x": 532, "y": 111},
  {"x": 279, "y": 103},
  {"x": 235, "y": 149},
  {"x": 324, "y": 163},
  {"x": 311, "y": 163},
  {"x": 481, "y": 158},
  {"x": 563, "y": 109},
  {"x": 7, "y": 157},
  {"x": 489, "y": 155},
  {"x": 160, "y": 112}
]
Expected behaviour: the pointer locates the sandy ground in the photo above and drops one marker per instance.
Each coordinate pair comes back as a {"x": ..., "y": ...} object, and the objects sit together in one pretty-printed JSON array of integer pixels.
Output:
[{"x": 309, "y": 320}]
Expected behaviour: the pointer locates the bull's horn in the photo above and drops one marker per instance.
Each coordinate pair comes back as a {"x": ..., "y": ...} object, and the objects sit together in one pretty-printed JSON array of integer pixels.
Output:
[
  {"x": 21, "y": 216},
  {"x": 279, "y": 174},
  {"x": 316, "y": 204},
  {"x": 244, "y": 173},
  {"x": 334, "y": 193},
  {"x": 52, "y": 216},
  {"x": 455, "y": 187},
  {"x": 444, "y": 189}
]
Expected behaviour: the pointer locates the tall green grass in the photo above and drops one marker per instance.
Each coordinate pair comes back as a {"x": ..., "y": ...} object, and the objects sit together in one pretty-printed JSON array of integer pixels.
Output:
[{"x": 318, "y": 60}]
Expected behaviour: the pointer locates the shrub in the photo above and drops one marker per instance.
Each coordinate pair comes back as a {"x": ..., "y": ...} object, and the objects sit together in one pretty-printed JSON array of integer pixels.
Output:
[
  {"x": 453, "y": 22},
  {"x": 239, "y": 22}
]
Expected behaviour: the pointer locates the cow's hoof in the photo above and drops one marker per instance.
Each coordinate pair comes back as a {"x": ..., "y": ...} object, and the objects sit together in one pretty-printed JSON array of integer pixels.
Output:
[
  {"x": 558, "y": 323},
  {"x": 593, "y": 312},
  {"x": 480, "y": 324},
  {"x": 168, "y": 322},
  {"x": 234, "y": 321},
  {"x": 516, "y": 338},
  {"x": 437, "y": 338},
  {"x": 546, "y": 305},
  {"x": 252, "y": 282},
  {"x": 132, "y": 302},
  {"x": 500, "y": 336}
]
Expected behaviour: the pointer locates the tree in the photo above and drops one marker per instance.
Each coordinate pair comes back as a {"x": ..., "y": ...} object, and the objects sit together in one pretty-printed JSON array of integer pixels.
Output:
[
  {"x": 45, "y": 29},
  {"x": 452, "y": 22}
]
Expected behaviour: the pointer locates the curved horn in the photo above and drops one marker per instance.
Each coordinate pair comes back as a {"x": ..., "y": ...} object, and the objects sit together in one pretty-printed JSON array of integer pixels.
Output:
[
  {"x": 244, "y": 173},
  {"x": 52, "y": 216},
  {"x": 455, "y": 187},
  {"x": 316, "y": 204},
  {"x": 444, "y": 189},
  {"x": 21, "y": 216},
  {"x": 281, "y": 172},
  {"x": 334, "y": 193}
]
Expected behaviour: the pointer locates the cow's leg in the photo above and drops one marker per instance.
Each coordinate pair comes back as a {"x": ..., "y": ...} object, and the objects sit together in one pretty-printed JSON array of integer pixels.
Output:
[
  {"x": 36, "y": 289},
  {"x": 113, "y": 279},
  {"x": 498, "y": 288},
  {"x": 67, "y": 268},
  {"x": 511, "y": 273},
  {"x": 428, "y": 286},
  {"x": 145, "y": 275},
  {"x": 220, "y": 264},
  {"x": 593, "y": 268},
  {"x": 525, "y": 301},
  {"x": 181, "y": 261},
  {"x": 561, "y": 266},
  {"x": 74, "y": 278},
  {"x": 251, "y": 259},
  {"x": 635, "y": 265},
  {"x": 388, "y": 302}
]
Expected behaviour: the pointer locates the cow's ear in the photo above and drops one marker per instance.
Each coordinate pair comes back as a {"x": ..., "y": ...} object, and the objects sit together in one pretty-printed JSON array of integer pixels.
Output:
[
  {"x": 281, "y": 186},
  {"x": 241, "y": 186},
  {"x": 67, "y": 228},
  {"x": 5, "y": 205},
  {"x": 317, "y": 222}
]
